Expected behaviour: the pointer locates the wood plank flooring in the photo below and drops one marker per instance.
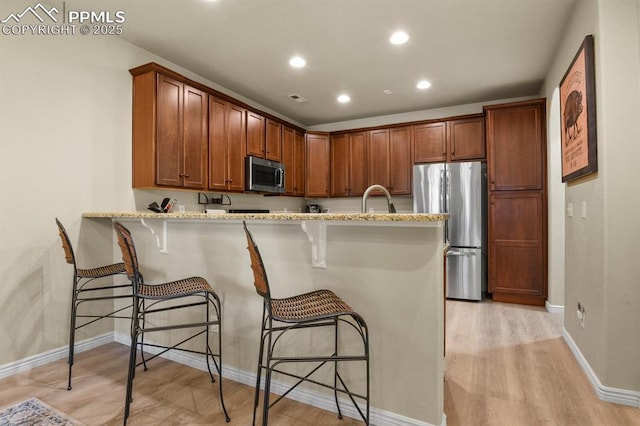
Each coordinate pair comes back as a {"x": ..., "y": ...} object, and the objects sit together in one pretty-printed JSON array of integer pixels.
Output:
[{"x": 506, "y": 365}]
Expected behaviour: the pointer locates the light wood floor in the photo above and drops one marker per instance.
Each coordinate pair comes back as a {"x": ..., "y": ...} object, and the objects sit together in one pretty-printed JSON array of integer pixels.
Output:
[
  {"x": 508, "y": 365},
  {"x": 167, "y": 394},
  {"x": 505, "y": 365}
]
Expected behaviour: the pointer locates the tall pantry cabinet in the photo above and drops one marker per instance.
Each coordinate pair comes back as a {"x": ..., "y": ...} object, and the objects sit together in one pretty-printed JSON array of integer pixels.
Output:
[{"x": 517, "y": 240}]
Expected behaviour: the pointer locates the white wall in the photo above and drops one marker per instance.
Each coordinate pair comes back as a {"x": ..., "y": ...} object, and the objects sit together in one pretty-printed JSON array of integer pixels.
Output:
[
  {"x": 601, "y": 250},
  {"x": 65, "y": 120}
]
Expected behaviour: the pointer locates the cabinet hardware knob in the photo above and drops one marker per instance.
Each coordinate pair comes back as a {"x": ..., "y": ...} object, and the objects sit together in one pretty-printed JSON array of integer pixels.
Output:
[
  {"x": 186, "y": 176},
  {"x": 181, "y": 174}
]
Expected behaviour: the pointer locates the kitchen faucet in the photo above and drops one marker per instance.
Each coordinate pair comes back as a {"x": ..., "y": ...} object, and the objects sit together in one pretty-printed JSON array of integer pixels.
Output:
[{"x": 372, "y": 188}]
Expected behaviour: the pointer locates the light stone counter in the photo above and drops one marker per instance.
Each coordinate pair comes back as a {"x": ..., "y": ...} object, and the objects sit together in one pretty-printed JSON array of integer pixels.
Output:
[{"x": 366, "y": 217}]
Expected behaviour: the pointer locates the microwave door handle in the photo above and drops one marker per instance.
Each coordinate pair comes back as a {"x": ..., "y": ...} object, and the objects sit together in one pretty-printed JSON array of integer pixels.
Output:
[{"x": 280, "y": 177}]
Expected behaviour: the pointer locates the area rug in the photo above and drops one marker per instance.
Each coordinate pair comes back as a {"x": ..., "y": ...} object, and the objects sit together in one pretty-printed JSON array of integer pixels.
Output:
[{"x": 34, "y": 412}]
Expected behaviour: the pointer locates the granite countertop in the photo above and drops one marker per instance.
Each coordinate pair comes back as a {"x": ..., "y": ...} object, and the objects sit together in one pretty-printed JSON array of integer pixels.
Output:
[{"x": 371, "y": 217}]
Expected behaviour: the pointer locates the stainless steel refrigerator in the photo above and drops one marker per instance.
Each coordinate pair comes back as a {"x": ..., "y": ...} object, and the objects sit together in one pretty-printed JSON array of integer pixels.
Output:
[{"x": 459, "y": 189}]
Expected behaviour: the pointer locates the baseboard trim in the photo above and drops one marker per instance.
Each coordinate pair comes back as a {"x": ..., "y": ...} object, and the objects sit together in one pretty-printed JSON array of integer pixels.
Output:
[
  {"x": 604, "y": 393},
  {"x": 44, "y": 358},
  {"x": 306, "y": 396},
  {"x": 554, "y": 309}
]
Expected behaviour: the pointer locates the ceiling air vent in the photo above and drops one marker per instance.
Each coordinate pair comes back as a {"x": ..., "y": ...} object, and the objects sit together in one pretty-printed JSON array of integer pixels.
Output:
[{"x": 297, "y": 98}]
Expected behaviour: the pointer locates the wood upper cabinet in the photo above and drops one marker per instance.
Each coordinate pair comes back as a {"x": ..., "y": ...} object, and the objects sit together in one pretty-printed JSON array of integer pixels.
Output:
[
  {"x": 170, "y": 126},
  {"x": 273, "y": 142},
  {"x": 348, "y": 164},
  {"x": 389, "y": 165},
  {"x": 517, "y": 247},
  {"x": 293, "y": 157},
  {"x": 516, "y": 146},
  {"x": 317, "y": 169},
  {"x": 430, "y": 143},
  {"x": 256, "y": 135},
  {"x": 400, "y": 166},
  {"x": 447, "y": 141},
  {"x": 264, "y": 137},
  {"x": 226, "y": 145},
  {"x": 465, "y": 139}
]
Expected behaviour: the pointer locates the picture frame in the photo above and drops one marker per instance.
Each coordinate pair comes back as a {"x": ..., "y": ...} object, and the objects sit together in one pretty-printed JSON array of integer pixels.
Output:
[{"x": 578, "y": 137}]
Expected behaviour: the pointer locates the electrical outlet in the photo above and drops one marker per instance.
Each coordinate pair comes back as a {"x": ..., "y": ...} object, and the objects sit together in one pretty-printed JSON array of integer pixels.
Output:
[
  {"x": 580, "y": 313},
  {"x": 215, "y": 328}
]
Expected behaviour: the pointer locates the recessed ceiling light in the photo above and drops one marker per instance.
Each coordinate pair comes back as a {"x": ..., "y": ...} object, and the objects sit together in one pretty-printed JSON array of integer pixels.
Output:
[
  {"x": 399, "y": 37},
  {"x": 423, "y": 84},
  {"x": 297, "y": 62},
  {"x": 344, "y": 98},
  {"x": 387, "y": 91}
]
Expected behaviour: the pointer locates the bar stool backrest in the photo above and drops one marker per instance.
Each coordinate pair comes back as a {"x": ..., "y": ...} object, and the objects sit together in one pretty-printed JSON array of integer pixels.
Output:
[
  {"x": 66, "y": 244},
  {"x": 259, "y": 273},
  {"x": 128, "y": 250}
]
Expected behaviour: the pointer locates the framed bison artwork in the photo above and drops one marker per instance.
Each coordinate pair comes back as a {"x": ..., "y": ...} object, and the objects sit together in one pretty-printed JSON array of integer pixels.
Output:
[{"x": 578, "y": 115}]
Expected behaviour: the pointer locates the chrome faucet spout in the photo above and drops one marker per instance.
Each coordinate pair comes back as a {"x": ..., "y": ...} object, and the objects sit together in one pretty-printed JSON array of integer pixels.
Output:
[{"x": 372, "y": 188}]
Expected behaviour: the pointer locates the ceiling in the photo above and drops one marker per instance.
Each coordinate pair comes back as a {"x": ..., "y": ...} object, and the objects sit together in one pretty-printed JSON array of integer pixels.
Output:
[{"x": 470, "y": 50}]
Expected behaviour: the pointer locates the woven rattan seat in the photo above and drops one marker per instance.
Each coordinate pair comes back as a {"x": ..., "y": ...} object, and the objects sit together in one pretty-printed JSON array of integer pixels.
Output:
[
  {"x": 151, "y": 300},
  {"x": 102, "y": 271},
  {"x": 314, "y": 305},
  {"x": 180, "y": 288},
  {"x": 319, "y": 308},
  {"x": 90, "y": 285}
]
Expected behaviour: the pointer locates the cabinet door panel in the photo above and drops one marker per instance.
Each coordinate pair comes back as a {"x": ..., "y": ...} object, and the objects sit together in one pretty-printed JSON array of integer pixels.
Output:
[
  {"x": 300, "y": 164},
  {"x": 288, "y": 158},
  {"x": 195, "y": 138},
  {"x": 273, "y": 142},
  {"x": 516, "y": 147},
  {"x": 378, "y": 164},
  {"x": 430, "y": 144},
  {"x": 317, "y": 170},
  {"x": 466, "y": 139},
  {"x": 340, "y": 165},
  {"x": 255, "y": 134},
  {"x": 217, "y": 144},
  {"x": 236, "y": 146},
  {"x": 400, "y": 161},
  {"x": 357, "y": 163},
  {"x": 169, "y": 132},
  {"x": 516, "y": 244}
]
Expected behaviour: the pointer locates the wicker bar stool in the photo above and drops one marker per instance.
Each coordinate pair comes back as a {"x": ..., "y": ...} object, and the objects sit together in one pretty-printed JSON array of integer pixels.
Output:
[
  {"x": 320, "y": 308},
  {"x": 150, "y": 299},
  {"x": 85, "y": 289}
]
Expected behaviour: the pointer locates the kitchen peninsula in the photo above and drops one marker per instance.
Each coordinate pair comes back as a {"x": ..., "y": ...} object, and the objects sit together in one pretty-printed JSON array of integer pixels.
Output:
[{"x": 388, "y": 267}]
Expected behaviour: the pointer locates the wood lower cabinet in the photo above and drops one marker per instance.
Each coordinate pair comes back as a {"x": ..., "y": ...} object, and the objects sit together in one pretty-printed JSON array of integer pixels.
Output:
[
  {"x": 348, "y": 164},
  {"x": 226, "y": 145},
  {"x": 293, "y": 157},
  {"x": 517, "y": 261},
  {"x": 317, "y": 165},
  {"x": 460, "y": 139},
  {"x": 389, "y": 155},
  {"x": 517, "y": 237},
  {"x": 170, "y": 122}
]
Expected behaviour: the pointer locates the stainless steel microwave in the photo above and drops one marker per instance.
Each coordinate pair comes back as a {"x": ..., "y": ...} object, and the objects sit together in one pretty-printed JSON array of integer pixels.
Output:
[{"x": 263, "y": 175}]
